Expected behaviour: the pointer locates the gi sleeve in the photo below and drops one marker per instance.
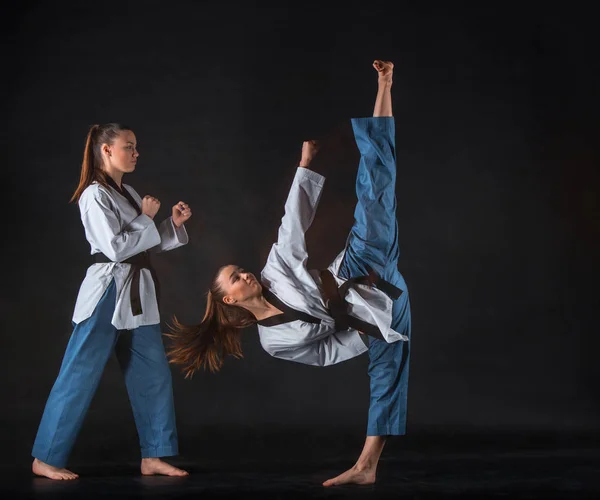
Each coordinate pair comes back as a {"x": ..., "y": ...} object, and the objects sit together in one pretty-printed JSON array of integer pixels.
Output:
[
  {"x": 300, "y": 208},
  {"x": 103, "y": 228},
  {"x": 171, "y": 237}
]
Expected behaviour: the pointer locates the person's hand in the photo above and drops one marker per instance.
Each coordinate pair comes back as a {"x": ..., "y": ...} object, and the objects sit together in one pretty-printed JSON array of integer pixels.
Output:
[
  {"x": 150, "y": 206},
  {"x": 181, "y": 213},
  {"x": 309, "y": 150}
]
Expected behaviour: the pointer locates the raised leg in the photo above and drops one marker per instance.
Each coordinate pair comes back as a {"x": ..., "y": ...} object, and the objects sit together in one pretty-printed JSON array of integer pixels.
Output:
[{"x": 373, "y": 245}]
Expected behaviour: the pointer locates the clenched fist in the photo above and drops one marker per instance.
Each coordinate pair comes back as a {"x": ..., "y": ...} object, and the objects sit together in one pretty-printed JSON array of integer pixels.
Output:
[
  {"x": 150, "y": 206},
  {"x": 309, "y": 150},
  {"x": 181, "y": 213}
]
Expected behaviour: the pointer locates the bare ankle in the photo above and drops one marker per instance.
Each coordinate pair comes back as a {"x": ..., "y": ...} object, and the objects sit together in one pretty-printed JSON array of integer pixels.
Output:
[{"x": 364, "y": 465}]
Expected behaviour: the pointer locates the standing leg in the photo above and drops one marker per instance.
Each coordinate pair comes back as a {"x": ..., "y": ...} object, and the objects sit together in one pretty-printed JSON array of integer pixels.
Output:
[
  {"x": 373, "y": 244},
  {"x": 388, "y": 372},
  {"x": 86, "y": 355},
  {"x": 141, "y": 355}
]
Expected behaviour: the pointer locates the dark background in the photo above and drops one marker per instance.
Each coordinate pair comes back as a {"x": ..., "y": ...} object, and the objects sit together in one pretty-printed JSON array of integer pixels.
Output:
[{"x": 496, "y": 114}]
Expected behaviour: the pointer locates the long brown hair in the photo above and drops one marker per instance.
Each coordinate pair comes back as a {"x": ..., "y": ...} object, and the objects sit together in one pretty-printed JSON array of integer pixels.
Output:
[
  {"x": 91, "y": 167},
  {"x": 218, "y": 335}
]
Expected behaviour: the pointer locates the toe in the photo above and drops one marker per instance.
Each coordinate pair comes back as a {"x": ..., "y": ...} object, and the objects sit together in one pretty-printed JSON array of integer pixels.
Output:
[{"x": 329, "y": 482}]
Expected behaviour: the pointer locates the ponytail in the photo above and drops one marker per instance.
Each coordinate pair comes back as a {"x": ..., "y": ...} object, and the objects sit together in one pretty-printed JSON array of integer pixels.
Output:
[{"x": 206, "y": 345}]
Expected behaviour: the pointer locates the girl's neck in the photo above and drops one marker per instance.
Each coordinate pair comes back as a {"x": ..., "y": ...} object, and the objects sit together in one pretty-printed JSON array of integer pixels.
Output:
[
  {"x": 261, "y": 308},
  {"x": 115, "y": 175}
]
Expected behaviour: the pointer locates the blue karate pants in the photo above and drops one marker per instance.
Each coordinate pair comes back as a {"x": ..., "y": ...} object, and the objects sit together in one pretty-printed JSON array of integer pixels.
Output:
[
  {"x": 373, "y": 243},
  {"x": 142, "y": 358}
]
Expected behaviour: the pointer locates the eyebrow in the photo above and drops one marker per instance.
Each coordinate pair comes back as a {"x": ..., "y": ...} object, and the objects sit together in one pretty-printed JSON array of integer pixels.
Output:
[{"x": 129, "y": 142}]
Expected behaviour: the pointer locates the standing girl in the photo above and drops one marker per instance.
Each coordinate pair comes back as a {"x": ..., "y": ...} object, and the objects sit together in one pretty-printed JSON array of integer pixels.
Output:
[{"x": 116, "y": 309}]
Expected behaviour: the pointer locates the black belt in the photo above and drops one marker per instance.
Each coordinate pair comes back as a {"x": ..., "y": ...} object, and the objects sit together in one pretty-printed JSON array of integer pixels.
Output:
[
  {"x": 338, "y": 307},
  {"x": 137, "y": 262}
]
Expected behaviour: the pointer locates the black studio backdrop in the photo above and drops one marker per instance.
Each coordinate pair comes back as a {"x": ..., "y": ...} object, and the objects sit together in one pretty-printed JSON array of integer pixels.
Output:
[{"x": 496, "y": 117}]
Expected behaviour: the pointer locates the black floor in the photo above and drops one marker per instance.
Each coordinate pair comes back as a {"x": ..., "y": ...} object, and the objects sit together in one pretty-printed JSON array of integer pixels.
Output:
[{"x": 479, "y": 467}]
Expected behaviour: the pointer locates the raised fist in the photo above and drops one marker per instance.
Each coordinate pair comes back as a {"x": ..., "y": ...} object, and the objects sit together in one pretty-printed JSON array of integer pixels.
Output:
[
  {"x": 150, "y": 206},
  {"x": 181, "y": 213},
  {"x": 309, "y": 150}
]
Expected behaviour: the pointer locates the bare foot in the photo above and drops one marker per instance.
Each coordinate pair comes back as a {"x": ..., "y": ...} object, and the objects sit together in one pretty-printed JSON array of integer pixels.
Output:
[
  {"x": 40, "y": 468},
  {"x": 385, "y": 70},
  {"x": 353, "y": 476},
  {"x": 155, "y": 466}
]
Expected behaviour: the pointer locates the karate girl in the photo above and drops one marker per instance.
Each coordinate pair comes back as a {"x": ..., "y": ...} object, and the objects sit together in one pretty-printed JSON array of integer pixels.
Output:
[
  {"x": 116, "y": 309},
  {"x": 360, "y": 303}
]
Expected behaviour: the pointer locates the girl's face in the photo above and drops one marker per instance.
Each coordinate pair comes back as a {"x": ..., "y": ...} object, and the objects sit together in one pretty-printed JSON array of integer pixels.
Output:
[
  {"x": 122, "y": 154},
  {"x": 238, "y": 285}
]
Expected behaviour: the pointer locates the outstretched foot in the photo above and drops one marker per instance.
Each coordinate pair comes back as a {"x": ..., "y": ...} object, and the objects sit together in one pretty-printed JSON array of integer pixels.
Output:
[
  {"x": 355, "y": 475},
  {"x": 385, "y": 70},
  {"x": 40, "y": 468},
  {"x": 155, "y": 466}
]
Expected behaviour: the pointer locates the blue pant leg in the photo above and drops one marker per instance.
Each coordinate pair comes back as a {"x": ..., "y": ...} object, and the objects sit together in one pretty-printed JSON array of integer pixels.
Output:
[
  {"x": 88, "y": 350},
  {"x": 388, "y": 372},
  {"x": 374, "y": 235},
  {"x": 373, "y": 244},
  {"x": 142, "y": 357}
]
